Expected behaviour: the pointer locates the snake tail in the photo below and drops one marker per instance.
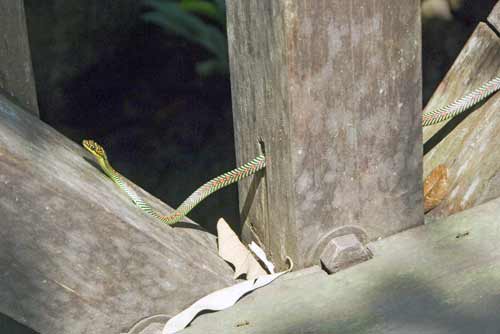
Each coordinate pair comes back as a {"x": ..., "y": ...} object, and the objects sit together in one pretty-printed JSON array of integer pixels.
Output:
[{"x": 462, "y": 104}]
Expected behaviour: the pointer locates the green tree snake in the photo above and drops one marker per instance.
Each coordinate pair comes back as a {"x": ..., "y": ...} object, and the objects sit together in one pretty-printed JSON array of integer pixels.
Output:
[{"x": 258, "y": 163}]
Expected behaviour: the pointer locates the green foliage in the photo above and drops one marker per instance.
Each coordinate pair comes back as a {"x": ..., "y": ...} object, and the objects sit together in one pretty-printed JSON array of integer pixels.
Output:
[{"x": 202, "y": 22}]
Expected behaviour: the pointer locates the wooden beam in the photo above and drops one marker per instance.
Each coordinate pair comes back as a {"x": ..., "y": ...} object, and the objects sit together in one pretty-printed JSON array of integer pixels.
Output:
[
  {"x": 16, "y": 73},
  {"x": 468, "y": 144},
  {"x": 333, "y": 91},
  {"x": 76, "y": 256},
  {"x": 439, "y": 278},
  {"x": 494, "y": 18}
]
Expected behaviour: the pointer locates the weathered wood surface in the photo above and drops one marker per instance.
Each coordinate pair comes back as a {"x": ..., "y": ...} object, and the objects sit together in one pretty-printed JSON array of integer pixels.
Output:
[
  {"x": 76, "y": 256},
  {"x": 494, "y": 17},
  {"x": 333, "y": 89},
  {"x": 16, "y": 73},
  {"x": 438, "y": 278},
  {"x": 469, "y": 149}
]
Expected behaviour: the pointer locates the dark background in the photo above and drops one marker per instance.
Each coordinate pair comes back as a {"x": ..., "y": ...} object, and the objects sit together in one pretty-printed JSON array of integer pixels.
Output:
[{"x": 103, "y": 73}]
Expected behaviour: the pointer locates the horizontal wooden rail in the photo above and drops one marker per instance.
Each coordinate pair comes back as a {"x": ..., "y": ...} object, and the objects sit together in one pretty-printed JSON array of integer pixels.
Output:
[{"x": 439, "y": 278}]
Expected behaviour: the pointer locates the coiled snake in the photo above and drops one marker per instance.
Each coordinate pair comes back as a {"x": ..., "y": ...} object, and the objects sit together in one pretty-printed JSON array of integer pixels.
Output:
[{"x": 253, "y": 166}]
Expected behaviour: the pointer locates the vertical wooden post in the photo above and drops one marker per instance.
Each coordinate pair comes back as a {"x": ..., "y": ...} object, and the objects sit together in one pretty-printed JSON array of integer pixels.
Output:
[
  {"x": 16, "y": 73},
  {"x": 332, "y": 89}
]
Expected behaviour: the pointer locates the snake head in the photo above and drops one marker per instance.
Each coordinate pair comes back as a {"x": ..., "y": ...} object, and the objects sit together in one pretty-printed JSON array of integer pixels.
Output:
[{"x": 94, "y": 148}]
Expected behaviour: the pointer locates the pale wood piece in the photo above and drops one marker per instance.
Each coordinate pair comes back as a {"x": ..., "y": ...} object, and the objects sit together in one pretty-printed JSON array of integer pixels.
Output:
[
  {"x": 494, "y": 17},
  {"x": 440, "y": 278},
  {"x": 333, "y": 89},
  {"x": 470, "y": 149},
  {"x": 16, "y": 73},
  {"x": 76, "y": 256}
]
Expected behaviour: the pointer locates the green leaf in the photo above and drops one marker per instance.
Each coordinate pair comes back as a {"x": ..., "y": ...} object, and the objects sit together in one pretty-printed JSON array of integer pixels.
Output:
[
  {"x": 221, "y": 12},
  {"x": 173, "y": 11},
  {"x": 205, "y": 8},
  {"x": 181, "y": 18},
  {"x": 177, "y": 20},
  {"x": 160, "y": 20},
  {"x": 210, "y": 67},
  {"x": 207, "y": 68},
  {"x": 221, "y": 4},
  {"x": 215, "y": 41}
]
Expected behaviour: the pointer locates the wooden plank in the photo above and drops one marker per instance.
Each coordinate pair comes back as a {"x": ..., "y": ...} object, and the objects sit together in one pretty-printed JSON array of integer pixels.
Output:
[
  {"x": 76, "y": 256},
  {"x": 494, "y": 18},
  {"x": 16, "y": 73},
  {"x": 438, "y": 278},
  {"x": 468, "y": 146},
  {"x": 333, "y": 89}
]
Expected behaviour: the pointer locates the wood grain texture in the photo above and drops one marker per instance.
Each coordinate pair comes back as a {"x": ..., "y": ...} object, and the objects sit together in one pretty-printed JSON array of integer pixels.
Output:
[
  {"x": 16, "y": 73},
  {"x": 494, "y": 17},
  {"x": 468, "y": 146},
  {"x": 440, "y": 278},
  {"x": 76, "y": 256},
  {"x": 333, "y": 88}
]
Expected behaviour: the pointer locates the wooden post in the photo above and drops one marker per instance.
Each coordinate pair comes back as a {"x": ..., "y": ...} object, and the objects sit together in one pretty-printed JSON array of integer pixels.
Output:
[
  {"x": 332, "y": 90},
  {"x": 16, "y": 73}
]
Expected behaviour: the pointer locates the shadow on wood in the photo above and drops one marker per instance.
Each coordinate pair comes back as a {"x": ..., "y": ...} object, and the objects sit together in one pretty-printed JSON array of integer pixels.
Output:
[{"x": 8, "y": 325}]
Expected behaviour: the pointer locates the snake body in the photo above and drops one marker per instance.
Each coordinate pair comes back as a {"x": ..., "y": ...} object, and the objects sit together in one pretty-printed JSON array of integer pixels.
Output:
[
  {"x": 258, "y": 163},
  {"x": 462, "y": 104},
  {"x": 200, "y": 194}
]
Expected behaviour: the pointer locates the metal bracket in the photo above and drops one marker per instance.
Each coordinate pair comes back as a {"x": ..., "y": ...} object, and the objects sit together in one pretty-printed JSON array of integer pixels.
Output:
[{"x": 342, "y": 248}]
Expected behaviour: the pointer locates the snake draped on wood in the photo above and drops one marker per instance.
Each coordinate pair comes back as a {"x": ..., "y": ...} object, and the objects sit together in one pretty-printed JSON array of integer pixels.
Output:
[{"x": 258, "y": 163}]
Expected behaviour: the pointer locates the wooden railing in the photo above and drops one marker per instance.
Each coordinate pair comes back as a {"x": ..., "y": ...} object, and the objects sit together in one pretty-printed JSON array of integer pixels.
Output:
[{"x": 331, "y": 93}]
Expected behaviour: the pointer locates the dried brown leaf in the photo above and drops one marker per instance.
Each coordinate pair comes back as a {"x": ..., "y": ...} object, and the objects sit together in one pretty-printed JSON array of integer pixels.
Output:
[
  {"x": 435, "y": 187},
  {"x": 232, "y": 250}
]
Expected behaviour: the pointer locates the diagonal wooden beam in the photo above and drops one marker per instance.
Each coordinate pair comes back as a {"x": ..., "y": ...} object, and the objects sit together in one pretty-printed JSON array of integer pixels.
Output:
[
  {"x": 467, "y": 144},
  {"x": 76, "y": 256},
  {"x": 494, "y": 18}
]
